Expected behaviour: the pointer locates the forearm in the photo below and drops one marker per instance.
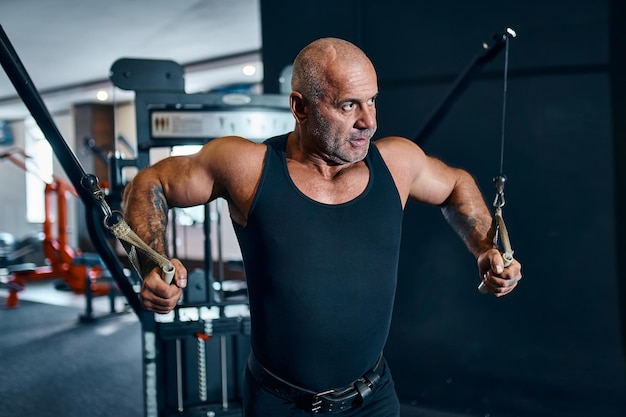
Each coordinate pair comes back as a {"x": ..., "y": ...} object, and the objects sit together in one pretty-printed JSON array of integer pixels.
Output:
[
  {"x": 146, "y": 211},
  {"x": 466, "y": 211}
]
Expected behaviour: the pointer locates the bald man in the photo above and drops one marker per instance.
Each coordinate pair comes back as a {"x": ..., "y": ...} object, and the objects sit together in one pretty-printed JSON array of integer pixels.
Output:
[{"x": 318, "y": 215}]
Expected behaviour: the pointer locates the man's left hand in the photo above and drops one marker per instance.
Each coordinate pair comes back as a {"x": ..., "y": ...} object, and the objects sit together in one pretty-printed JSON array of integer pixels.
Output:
[{"x": 497, "y": 279}]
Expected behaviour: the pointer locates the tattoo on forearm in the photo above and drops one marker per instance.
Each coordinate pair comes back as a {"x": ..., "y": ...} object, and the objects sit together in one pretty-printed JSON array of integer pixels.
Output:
[
  {"x": 156, "y": 222},
  {"x": 476, "y": 232}
]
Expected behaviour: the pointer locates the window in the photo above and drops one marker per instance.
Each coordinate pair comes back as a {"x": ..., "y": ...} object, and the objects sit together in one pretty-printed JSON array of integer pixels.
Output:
[{"x": 39, "y": 171}]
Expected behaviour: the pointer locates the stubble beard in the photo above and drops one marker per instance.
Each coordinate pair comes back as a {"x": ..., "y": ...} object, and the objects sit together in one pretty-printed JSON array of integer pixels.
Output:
[{"x": 334, "y": 145}]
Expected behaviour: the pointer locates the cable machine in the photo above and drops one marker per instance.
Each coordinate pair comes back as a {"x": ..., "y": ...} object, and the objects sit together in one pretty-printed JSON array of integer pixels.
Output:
[{"x": 195, "y": 356}]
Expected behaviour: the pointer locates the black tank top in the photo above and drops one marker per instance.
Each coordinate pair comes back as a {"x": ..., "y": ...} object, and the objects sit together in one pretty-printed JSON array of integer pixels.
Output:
[{"x": 321, "y": 278}]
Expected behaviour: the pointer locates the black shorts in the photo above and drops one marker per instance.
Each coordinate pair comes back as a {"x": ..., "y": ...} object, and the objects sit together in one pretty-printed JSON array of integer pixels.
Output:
[{"x": 258, "y": 402}]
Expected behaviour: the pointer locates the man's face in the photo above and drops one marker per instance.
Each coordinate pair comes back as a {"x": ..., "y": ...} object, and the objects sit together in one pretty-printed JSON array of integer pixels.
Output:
[{"x": 343, "y": 121}]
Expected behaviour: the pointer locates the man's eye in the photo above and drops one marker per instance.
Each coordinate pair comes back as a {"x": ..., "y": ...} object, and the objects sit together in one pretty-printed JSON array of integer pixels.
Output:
[{"x": 348, "y": 106}]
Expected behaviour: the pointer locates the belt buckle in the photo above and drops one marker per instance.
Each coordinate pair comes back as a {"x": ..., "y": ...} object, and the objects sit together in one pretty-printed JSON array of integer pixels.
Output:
[
  {"x": 363, "y": 387},
  {"x": 316, "y": 404}
]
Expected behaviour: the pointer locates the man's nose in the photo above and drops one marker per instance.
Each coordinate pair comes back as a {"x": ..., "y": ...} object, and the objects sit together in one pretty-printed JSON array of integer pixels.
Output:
[{"x": 367, "y": 118}]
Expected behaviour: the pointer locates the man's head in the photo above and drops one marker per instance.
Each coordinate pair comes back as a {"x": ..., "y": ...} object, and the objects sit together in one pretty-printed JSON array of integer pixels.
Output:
[
  {"x": 317, "y": 64},
  {"x": 333, "y": 99}
]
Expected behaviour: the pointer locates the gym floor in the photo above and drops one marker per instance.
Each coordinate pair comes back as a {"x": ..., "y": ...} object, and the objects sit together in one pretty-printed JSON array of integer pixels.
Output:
[{"x": 54, "y": 363}]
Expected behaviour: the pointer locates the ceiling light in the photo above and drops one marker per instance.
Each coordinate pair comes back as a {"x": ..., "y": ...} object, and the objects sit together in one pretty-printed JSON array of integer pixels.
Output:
[
  {"x": 249, "y": 70},
  {"x": 102, "y": 95}
]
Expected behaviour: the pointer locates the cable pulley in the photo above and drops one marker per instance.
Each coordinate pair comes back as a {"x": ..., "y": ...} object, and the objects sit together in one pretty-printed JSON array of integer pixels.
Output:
[{"x": 501, "y": 238}]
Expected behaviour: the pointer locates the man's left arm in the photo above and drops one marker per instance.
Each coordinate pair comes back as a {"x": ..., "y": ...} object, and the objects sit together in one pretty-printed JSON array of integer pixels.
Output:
[
  {"x": 423, "y": 178},
  {"x": 466, "y": 211}
]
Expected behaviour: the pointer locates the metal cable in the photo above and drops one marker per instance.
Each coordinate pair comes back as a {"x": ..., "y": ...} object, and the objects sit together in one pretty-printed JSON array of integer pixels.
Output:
[{"x": 501, "y": 232}]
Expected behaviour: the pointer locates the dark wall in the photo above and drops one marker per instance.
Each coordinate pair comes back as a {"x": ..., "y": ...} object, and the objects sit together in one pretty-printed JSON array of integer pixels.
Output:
[{"x": 554, "y": 347}]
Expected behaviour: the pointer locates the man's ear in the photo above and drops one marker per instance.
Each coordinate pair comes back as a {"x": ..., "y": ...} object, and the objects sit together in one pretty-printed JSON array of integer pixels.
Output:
[{"x": 298, "y": 104}]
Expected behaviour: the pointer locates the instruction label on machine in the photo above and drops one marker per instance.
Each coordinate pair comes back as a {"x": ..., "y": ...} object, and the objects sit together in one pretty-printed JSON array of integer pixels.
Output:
[{"x": 256, "y": 125}]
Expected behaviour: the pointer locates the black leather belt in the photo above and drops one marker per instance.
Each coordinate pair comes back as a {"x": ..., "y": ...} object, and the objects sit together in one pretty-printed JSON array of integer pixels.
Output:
[{"x": 329, "y": 401}]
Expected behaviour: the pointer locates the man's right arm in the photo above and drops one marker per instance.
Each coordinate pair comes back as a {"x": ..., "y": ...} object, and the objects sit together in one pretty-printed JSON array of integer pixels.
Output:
[
  {"x": 179, "y": 181},
  {"x": 227, "y": 167}
]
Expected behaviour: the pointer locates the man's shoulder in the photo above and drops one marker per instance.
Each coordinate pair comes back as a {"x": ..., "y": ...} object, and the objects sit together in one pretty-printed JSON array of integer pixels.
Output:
[
  {"x": 395, "y": 149},
  {"x": 232, "y": 156},
  {"x": 236, "y": 164},
  {"x": 235, "y": 146},
  {"x": 392, "y": 141}
]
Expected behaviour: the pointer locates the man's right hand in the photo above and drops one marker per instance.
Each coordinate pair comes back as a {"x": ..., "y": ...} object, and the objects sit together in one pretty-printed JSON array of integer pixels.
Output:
[{"x": 158, "y": 296}]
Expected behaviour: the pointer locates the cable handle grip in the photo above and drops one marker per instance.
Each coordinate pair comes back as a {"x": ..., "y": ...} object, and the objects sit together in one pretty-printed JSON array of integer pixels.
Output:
[
  {"x": 507, "y": 255},
  {"x": 114, "y": 221},
  {"x": 168, "y": 273}
]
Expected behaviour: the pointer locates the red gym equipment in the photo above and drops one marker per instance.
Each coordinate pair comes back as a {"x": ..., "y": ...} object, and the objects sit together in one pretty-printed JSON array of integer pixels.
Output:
[{"x": 76, "y": 268}]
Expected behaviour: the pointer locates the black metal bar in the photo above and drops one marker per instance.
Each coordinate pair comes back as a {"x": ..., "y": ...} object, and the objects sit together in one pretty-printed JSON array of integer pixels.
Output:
[
  {"x": 32, "y": 99},
  {"x": 95, "y": 228},
  {"x": 460, "y": 84}
]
